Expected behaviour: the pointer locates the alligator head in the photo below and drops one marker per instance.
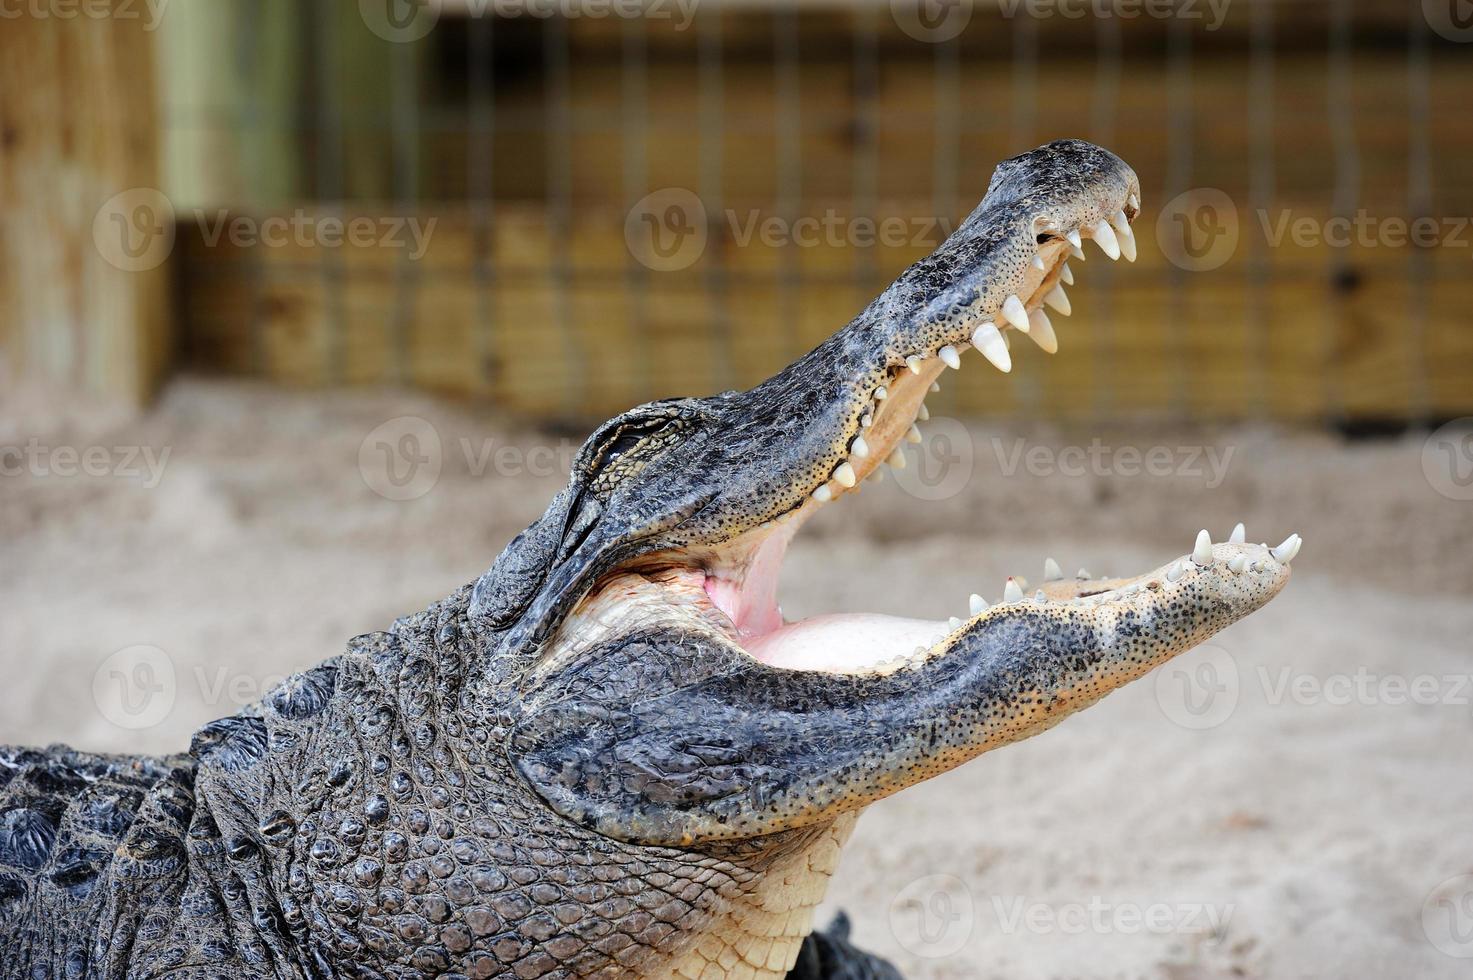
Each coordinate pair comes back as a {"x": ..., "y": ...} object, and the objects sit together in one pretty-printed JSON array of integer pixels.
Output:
[
  {"x": 612, "y": 756},
  {"x": 663, "y": 700}
]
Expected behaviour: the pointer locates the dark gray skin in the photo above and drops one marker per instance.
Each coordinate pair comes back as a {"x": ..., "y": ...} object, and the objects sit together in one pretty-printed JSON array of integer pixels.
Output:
[{"x": 600, "y": 759}]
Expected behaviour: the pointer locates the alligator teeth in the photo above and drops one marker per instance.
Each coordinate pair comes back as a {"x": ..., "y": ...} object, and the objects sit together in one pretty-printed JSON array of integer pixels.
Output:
[
  {"x": 1039, "y": 597},
  {"x": 1066, "y": 275},
  {"x": 866, "y": 420},
  {"x": 1285, "y": 552},
  {"x": 923, "y": 413},
  {"x": 1133, "y": 202},
  {"x": 1175, "y": 572},
  {"x": 1084, "y": 574},
  {"x": 988, "y": 339},
  {"x": 914, "y": 363},
  {"x": 1051, "y": 570},
  {"x": 1104, "y": 237},
  {"x": 913, "y": 434},
  {"x": 1075, "y": 239},
  {"x": 859, "y": 448},
  {"x": 1237, "y": 563},
  {"x": 1058, "y": 299},
  {"x": 877, "y": 474},
  {"x": 1202, "y": 552},
  {"x": 1015, "y": 313},
  {"x": 1125, "y": 234},
  {"x": 1011, "y": 592},
  {"x": 950, "y": 357},
  {"x": 844, "y": 473},
  {"x": 897, "y": 459},
  {"x": 823, "y": 494},
  {"x": 953, "y": 622},
  {"x": 1239, "y": 535},
  {"x": 1042, "y": 331},
  {"x": 1038, "y": 262},
  {"x": 881, "y": 393},
  {"x": 976, "y": 604},
  {"x": 935, "y": 386}
]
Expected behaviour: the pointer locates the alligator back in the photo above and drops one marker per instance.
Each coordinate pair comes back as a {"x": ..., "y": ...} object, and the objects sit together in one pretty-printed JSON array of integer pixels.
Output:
[{"x": 66, "y": 819}]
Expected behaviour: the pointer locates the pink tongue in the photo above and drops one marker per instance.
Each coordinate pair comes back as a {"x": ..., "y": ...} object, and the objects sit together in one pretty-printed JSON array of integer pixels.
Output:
[{"x": 843, "y": 642}]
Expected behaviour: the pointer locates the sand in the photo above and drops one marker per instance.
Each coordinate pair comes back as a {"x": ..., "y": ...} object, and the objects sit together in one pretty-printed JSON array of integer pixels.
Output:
[{"x": 1293, "y": 800}]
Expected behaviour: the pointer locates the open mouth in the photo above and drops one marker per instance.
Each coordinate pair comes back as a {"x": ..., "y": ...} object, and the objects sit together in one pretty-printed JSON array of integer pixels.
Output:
[{"x": 734, "y": 587}]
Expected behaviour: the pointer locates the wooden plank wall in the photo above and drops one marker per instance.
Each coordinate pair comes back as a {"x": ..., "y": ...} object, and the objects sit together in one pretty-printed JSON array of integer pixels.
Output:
[
  {"x": 77, "y": 127},
  {"x": 564, "y": 322}
]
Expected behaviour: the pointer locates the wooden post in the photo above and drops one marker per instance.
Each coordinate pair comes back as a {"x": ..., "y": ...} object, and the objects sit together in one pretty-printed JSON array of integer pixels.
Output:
[{"x": 81, "y": 304}]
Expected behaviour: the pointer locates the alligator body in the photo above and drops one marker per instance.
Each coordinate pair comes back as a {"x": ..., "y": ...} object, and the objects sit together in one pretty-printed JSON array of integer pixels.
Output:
[{"x": 610, "y": 756}]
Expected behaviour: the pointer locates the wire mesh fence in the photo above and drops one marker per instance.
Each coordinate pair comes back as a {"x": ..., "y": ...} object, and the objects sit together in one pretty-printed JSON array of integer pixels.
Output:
[{"x": 574, "y": 212}]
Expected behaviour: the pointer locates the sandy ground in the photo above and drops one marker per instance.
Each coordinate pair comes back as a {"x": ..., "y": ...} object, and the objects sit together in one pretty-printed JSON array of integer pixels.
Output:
[{"x": 1293, "y": 800}]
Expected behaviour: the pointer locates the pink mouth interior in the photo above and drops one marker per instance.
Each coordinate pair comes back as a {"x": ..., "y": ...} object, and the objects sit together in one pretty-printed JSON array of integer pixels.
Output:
[{"x": 839, "y": 643}]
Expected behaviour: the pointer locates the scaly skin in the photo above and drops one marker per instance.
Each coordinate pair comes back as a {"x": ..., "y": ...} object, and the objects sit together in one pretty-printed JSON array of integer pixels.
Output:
[{"x": 609, "y": 756}]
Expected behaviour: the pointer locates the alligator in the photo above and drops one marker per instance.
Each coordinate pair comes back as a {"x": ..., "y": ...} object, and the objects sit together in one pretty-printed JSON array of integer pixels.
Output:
[{"x": 611, "y": 756}]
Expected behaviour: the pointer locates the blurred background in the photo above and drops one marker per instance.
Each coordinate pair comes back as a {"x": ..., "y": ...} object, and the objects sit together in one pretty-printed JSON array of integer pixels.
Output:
[
  {"x": 306, "y": 306},
  {"x": 569, "y": 207}
]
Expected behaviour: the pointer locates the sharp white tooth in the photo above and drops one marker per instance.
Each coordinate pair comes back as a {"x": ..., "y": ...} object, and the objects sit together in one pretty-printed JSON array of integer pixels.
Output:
[
  {"x": 1075, "y": 252},
  {"x": 1039, "y": 597},
  {"x": 859, "y": 447},
  {"x": 1011, "y": 592},
  {"x": 1237, "y": 563},
  {"x": 913, "y": 434},
  {"x": 921, "y": 651},
  {"x": 897, "y": 459},
  {"x": 1015, "y": 313},
  {"x": 1084, "y": 575},
  {"x": 1074, "y": 239},
  {"x": 877, "y": 474},
  {"x": 1058, "y": 299},
  {"x": 1066, "y": 275},
  {"x": 1133, "y": 202},
  {"x": 914, "y": 363},
  {"x": 988, "y": 339},
  {"x": 1104, "y": 237},
  {"x": 1051, "y": 570},
  {"x": 923, "y": 413},
  {"x": 823, "y": 494},
  {"x": 1202, "y": 551},
  {"x": 950, "y": 357},
  {"x": 866, "y": 420},
  {"x": 844, "y": 473},
  {"x": 1127, "y": 247},
  {"x": 935, "y": 387},
  {"x": 881, "y": 393},
  {"x": 1038, "y": 262},
  {"x": 1042, "y": 331},
  {"x": 1239, "y": 535},
  {"x": 1126, "y": 236},
  {"x": 1175, "y": 572},
  {"x": 976, "y": 604},
  {"x": 1285, "y": 552},
  {"x": 953, "y": 622}
]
